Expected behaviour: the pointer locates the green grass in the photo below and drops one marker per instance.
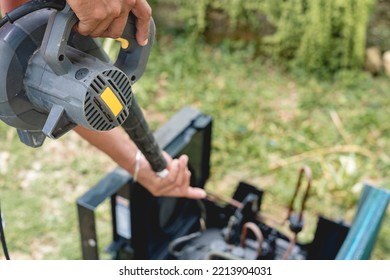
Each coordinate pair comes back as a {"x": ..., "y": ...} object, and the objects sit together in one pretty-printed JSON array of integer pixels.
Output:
[{"x": 267, "y": 124}]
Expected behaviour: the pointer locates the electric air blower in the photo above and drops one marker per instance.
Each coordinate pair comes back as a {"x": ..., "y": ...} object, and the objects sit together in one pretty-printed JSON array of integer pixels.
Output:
[{"x": 53, "y": 79}]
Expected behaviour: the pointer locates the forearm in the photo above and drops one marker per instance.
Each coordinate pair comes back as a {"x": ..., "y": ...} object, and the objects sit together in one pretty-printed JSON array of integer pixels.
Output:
[
  {"x": 115, "y": 143},
  {"x": 8, "y": 5}
]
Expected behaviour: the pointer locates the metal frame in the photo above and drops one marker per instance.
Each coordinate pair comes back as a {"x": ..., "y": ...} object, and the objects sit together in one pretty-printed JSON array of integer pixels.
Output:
[{"x": 366, "y": 225}]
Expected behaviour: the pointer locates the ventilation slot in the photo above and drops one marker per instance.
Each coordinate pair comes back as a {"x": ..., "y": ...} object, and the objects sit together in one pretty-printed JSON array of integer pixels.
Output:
[{"x": 94, "y": 110}]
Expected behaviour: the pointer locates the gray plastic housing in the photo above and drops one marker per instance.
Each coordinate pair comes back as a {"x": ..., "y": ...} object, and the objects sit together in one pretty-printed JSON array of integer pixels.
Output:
[{"x": 57, "y": 79}]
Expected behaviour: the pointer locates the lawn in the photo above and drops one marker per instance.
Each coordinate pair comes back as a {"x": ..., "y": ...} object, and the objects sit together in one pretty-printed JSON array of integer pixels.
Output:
[{"x": 267, "y": 123}]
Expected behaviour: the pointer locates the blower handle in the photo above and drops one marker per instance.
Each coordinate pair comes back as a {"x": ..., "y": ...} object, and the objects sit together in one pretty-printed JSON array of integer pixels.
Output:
[
  {"x": 132, "y": 57},
  {"x": 55, "y": 40}
]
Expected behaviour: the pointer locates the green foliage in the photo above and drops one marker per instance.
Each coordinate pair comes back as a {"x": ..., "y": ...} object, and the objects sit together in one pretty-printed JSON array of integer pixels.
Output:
[
  {"x": 290, "y": 24},
  {"x": 378, "y": 29},
  {"x": 334, "y": 36},
  {"x": 317, "y": 35}
]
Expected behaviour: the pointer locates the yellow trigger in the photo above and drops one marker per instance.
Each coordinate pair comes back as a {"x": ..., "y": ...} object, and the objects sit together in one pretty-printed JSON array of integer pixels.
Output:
[{"x": 124, "y": 43}]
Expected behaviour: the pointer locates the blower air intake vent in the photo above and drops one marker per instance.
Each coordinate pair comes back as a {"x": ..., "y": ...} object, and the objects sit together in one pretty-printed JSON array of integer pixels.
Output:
[{"x": 96, "y": 112}]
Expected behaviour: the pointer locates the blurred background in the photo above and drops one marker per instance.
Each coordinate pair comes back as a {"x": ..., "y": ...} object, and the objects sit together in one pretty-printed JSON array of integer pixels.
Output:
[{"x": 287, "y": 83}]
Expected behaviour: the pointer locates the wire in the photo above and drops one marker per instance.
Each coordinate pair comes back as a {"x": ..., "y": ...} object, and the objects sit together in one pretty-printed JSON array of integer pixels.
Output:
[
  {"x": 2, "y": 237},
  {"x": 257, "y": 233},
  {"x": 30, "y": 7},
  {"x": 181, "y": 241},
  {"x": 293, "y": 242}
]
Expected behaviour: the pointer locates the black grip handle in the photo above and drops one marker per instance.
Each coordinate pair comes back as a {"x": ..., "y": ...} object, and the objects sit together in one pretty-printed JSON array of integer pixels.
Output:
[
  {"x": 138, "y": 130},
  {"x": 132, "y": 58}
]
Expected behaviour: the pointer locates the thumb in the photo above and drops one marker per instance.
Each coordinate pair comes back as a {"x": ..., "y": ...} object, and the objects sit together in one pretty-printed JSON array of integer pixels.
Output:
[{"x": 195, "y": 193}]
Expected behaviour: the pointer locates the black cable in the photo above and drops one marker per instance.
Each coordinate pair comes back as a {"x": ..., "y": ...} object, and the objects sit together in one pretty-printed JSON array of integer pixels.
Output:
[
  {"x": 2, "y": 237},
  {"x": 30, "y": 7}
]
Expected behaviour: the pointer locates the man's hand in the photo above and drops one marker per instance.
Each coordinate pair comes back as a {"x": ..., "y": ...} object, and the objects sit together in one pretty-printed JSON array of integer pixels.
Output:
[
  {"x": 176, "y": 184},
  {"x": 107, "y": 18},
  {"x": 103, "y": 18}
]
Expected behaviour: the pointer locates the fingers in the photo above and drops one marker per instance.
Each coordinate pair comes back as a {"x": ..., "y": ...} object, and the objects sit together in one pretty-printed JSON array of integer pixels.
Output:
[
  {"x": 94, "y": 16},
  {"x": 178, "y": 181},
  {"x": 176, "y": 184},
  {"x": 143, "y": 13},
  {"x": 102, "y": 18},
  {"x": 183, "y": 178},
  {"x": 115, "y": 28},
  {"x": 173, "y": 182},
  {"x": 195, "y": 193}
]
